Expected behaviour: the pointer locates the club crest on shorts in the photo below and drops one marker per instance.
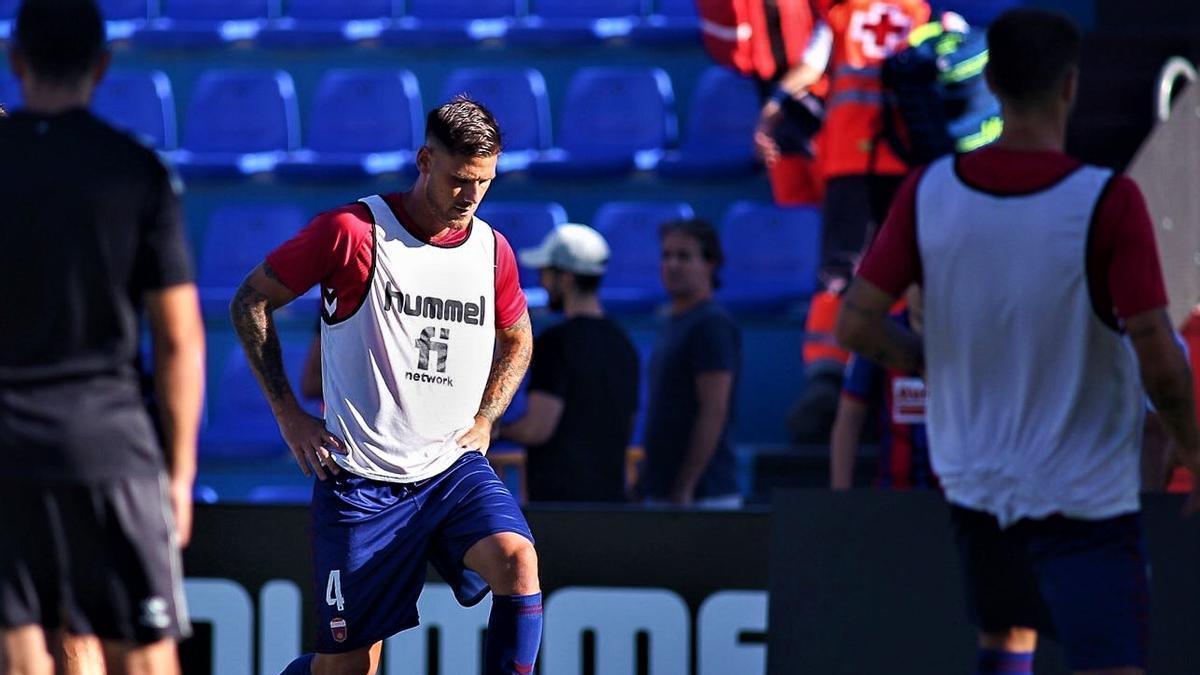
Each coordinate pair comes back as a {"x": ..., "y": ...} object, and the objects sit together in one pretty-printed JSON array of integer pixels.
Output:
[{"x": 338, "y": 628}]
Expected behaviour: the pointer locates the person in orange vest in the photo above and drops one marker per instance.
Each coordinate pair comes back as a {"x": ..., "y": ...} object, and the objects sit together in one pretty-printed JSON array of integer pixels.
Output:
[{"x": 860, "y": 171}]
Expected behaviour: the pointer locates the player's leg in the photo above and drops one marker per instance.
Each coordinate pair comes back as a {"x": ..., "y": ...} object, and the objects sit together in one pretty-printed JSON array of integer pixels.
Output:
[
  {"x": 125, "y": 575},
  {"x": 485, "y": 539},
  {"x": 26, "y": 651},
  {"x": 81, "y": 655},
  {"x": 30, "y": 583},
  {"x": 1005, "y": 651},
  {"x": 1001, "y": 592},
  {"x": 157, "y": 658},
  {"x": 369, "y": 558},
  {"x": 1093, "y": 575}
]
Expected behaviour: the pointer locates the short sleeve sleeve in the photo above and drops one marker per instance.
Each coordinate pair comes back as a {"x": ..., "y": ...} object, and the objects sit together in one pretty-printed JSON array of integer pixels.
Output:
[
  {"x": 331, "y": 244},
  {"x": 163, "y": 257},
  {"x": 510, "y": 299},
  {"x": 1129, "y": 255},
  {"x": 714, "y": 345},
  {"x": 893, "y": 260}
]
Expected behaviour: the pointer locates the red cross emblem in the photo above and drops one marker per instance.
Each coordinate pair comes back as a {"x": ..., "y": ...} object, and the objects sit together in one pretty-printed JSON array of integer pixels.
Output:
[{"x": 880, "y": 30}]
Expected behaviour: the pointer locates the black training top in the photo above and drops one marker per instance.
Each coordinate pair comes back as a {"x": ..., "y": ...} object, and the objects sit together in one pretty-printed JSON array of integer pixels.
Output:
[
  {"x": 89, "y": 220},
  {"x": 589, "y": 364}
]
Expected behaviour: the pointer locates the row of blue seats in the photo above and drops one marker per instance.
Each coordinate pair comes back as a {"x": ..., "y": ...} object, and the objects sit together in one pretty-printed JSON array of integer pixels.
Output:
[
  {"x": 771, "y": 252},
  {"x": 366, "y": 122},
  {"x": 175, "y": 24}
]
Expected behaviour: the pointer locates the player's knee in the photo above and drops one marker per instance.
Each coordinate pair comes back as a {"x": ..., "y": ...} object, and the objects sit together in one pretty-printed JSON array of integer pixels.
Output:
[{"x": 519, "y": 565}]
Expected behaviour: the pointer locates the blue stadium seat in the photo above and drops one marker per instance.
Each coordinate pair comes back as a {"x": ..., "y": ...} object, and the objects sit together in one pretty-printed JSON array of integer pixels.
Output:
[
  {"x": 518, "y": 99},
  {"x": 184, "y": 24},
  {"x": 124, "y": 17},
  {"x": 324, "y": 23},
  {"x": 720, "y": 131},
  {"x": 447, "y": 23},
  {"x": 140, "y": 102},
  {"x": 237, "y": 238},
  {"x": 524, "y": 224},
  {"x": 614, "y": 119},
  {"x": 631, "y": 228},
  {"x": 239, "y": 122},
  {"x": 364, "y": 122},
  {"x": 672, "y": 22},
  {"x": 771, "y": 255},
  {"x": 240, "y": 423},
  {"x": 8, "y": 13},
  {"x": 570, "y": 22}
]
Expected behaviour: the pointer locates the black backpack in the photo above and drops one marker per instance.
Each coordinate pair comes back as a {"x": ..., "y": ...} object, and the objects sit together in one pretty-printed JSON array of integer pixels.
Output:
[{"x": 935, "y": 98}]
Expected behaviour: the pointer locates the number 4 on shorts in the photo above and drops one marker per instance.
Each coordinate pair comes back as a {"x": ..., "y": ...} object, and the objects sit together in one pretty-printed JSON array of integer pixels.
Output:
[{"x": 333, "y": 590}]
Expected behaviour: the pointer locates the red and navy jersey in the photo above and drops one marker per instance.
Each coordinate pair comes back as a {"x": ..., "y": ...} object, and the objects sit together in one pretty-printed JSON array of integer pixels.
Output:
[{"x": 900, "y": 398}]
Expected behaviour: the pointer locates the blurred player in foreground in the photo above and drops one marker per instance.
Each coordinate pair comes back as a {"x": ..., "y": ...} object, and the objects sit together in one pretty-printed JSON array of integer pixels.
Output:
[
  {"x": 1033, "y": 266},
  {"x": 424, "y": 339},
  {"x": 91, "y": 234}
]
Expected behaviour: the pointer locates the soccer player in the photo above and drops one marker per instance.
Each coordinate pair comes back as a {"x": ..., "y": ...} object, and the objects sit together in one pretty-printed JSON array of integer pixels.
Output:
[
  {"x": 583, "y": 385},
  {"x": 424, "y": 339},
  {"x": 1033, "y": 268},
  {"x": 903, "y": 461},
  {"x": 90, "y": 235}
]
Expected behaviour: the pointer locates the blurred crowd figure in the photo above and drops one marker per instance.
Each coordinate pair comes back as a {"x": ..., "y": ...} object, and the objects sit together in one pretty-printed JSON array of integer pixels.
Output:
[{"x": 583, "y": 381}]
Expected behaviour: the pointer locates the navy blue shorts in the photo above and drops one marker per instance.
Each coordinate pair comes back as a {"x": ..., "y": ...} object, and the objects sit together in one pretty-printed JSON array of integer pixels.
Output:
[
  {"x": 372, "y": 540},
  {"x": 1084, "y": 582}
]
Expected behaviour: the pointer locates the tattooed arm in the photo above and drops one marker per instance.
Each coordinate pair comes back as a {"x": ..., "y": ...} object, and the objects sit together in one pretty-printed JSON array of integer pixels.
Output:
[
  {"x": 515, "y": 348},
  {"x": 260, "y": 294},
  {"x": 863, "y": 327}
]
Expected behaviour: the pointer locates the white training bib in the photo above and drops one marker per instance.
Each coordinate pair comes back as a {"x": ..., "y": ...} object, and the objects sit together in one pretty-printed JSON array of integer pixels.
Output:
[
  {"x": 1034, "y": 400},
  {"x": 404, "y": 375}
]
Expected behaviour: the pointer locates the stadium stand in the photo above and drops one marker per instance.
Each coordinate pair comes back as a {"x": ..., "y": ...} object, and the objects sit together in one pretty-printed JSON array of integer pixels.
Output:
[
  {"x": 450, "y": 23},
  {"x": 141, "y": 102},
  {"x": 320, "y": 23},
  {"x": 614, "y": 119},
  {"x": 524, "y": 224},
  {"x": 770, "y": 255},
  {"x": 671, "y": 23},
  {"x": 631, "y": 229},
  {"x": 518, "y": 99},
  {"x": 363, "y": 123},
  {"x": 718, "y": 142},
  {"x": 239, "y": 122},
  {"x": 553, "y": 23},
  {"x": 237, "y": 238},
  {"x": 240, "y": 423},
  {"x": 194, "y": 24}
]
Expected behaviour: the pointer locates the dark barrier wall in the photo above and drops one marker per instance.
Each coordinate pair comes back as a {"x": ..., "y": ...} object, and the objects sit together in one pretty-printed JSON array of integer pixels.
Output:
[
  {"x": 862, "y": 582},
  {"x": 868, "y": 582},
  {"x": 662, "y": 588}
]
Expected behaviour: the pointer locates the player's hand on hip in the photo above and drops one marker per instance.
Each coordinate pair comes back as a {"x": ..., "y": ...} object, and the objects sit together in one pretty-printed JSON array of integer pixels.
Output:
[
  {"x": 181, "y": 504},
  {"x": 478, "y": 437},
  {"x": 311, "y": 444}
]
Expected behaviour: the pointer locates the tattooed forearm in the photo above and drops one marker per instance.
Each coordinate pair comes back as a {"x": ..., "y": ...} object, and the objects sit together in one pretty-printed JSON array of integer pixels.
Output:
[
  {"x": 251, "y": 315},
  {"x": 516, "y": 349}
]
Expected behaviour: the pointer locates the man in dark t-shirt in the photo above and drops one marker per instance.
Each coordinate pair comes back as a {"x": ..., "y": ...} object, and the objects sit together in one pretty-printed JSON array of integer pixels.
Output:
[
  {"x": 90, "y": 234},
  {"x": 693, "y": 374},
  {"x": 583, "y": 384}
]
